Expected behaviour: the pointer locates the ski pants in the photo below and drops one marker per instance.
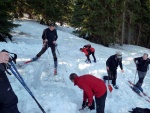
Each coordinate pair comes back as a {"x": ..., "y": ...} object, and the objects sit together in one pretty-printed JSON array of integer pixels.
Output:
[
  {"x": 93, "y": 54},
  {"x": 53, "y": 50},
  {"x": 8, "y": 99},
  {"x": 11, "y": 109},
  {"x": 100, "y": 103},
  {"x": 112, "y": 75},
  {"x": 141, "y": 78}
]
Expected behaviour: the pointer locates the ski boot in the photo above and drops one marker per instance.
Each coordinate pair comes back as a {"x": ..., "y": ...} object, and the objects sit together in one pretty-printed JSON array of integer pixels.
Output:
[
  {"x": 136, "y": 89},
  {"x": 139, "y": 88},
  {"x": 116, "y": 87},
  {"x": 55, "y": 71},
  {"x": 34, "y": 58}
]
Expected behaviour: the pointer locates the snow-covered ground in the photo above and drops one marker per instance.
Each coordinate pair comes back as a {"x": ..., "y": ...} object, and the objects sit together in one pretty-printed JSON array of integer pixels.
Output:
[{"x": 57, "y": 94}]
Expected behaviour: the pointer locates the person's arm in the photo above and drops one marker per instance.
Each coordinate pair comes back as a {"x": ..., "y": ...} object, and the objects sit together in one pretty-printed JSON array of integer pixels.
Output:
[
  {"x": 84, "y": 97},
  {"x": 56, "y": 36},
  {"x": 44, "y": 34},
  {"x": 120, "y": 64},
  {"x": 4, "y": 57},
  {"x": 148, "y": 60},
  {"x": 107, "y": 63},
  {"x": 87, "y": 93},
  {"x": 136, "y": 60}
]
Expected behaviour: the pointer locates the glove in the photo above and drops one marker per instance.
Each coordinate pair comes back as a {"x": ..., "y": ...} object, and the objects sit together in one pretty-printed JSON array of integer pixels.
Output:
[
  {"x": 91, "y": 106},
  {"x": 84, "y": 104}
]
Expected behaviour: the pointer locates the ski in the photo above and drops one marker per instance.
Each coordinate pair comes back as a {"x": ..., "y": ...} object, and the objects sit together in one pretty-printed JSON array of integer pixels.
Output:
[
  {"x": 24, "y": 63},
  {"x": 139, "y": 94},
  {"x": 140, "y": 91}
]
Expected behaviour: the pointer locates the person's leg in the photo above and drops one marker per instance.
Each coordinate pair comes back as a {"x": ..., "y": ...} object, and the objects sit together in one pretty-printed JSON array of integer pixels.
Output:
[
  {"x": 109, "y": 77},
  {"x": 141, "y": 78},
  {"x": 44, "y": 48},
  {"x": 88, "y": 57},
  {"x": 114, "y": 77},
  {"x": 100, "y": 103},
  {"x": 53, "y": 49},
  {"x": 7, "y": 96},
  {"x": 94, "y": 56}
]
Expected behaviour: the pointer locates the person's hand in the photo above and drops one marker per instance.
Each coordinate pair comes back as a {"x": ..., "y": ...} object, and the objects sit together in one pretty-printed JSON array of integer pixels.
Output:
[
  {"x": 91, "y": 106},
  {"x": 122, "y": 71},
  {"x": 4, "y": 57},
  {"x": 107, "y": 68},
  {"x": 54, "y": 42},
  {"x": 45, "y": 40}
]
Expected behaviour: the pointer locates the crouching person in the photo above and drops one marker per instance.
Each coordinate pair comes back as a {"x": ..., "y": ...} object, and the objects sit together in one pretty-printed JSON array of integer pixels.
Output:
[{"x": 91, "y": 86}]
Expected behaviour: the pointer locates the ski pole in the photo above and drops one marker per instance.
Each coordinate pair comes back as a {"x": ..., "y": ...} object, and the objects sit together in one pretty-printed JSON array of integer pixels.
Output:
[
  {"x": 109, "y": 86},
  {"x": 60, "y": 56},
  {"x": 14, "y": 70},
  {"x": 48, "y": 53},
  {"x": 135, "y": 77}
]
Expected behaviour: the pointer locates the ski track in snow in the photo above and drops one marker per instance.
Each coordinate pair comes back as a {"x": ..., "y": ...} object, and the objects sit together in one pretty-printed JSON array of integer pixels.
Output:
[{"x": 57, "y": 94}]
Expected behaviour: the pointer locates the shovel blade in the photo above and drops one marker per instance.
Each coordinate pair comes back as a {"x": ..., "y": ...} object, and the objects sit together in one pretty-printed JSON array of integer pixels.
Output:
[{"x": 110, "y": 88}]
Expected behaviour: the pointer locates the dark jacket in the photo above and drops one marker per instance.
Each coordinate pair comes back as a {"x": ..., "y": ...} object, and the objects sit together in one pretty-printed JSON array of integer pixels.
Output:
[
  {"x": 91, "y": 86},
  {"x": 112, "y": 62},
  {"x": 7, "y": 95},
  {"x": 49, "y": 35},
  {"x": 142, "y": 65}
]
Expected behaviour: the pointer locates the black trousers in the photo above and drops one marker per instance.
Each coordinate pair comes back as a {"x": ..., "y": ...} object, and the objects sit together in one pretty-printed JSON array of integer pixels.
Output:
[
  {"x": 141, "y": 78},
  {"x": 11, "y": 109},
  {"x": 53, "y": 50},
  {"x": 8, "y": 99},
  {"x": 93, "y": 54},
  {"x": 112, "y": 75},
  {"x": 100, "y": 103}
]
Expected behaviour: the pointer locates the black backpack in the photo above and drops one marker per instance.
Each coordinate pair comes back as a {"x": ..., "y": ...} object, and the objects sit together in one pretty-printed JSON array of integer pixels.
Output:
[{"x": 140, "y": 110}]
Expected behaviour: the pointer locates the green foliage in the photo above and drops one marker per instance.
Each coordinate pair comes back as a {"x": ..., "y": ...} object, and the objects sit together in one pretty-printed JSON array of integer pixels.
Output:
[
  {"x": 102, "y": 19},
  {"x": 5, "y": 24},
  {"x": 99, "y": 18}
]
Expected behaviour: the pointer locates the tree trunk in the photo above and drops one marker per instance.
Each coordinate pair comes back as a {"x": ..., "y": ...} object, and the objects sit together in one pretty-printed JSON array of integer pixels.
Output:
[
  {"x": 123, "y": 26},
  {"x": 129, "y": 34},
  {"x": 139, "y": 34}
]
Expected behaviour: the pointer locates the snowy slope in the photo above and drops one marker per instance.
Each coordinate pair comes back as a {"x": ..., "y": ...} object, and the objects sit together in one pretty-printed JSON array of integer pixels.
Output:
[{"x": 57, "y": 94}]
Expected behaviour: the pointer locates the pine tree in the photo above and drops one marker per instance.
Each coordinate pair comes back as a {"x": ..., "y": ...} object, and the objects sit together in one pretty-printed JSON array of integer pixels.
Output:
[
  {"x": 6, "y": 24},
  {"x": 98, "y": 18}
]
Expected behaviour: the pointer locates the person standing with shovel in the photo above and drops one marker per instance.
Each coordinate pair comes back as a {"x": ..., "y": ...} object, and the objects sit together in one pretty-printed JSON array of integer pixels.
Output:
[{"x": 111, "y": 65}]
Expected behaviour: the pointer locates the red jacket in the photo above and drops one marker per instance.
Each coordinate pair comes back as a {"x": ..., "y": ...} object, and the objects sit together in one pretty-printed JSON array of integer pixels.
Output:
[
  {"x": 92, "y": 49},
  {"x": 91, "y": 86},
  {"x": 85, "y": 51}
]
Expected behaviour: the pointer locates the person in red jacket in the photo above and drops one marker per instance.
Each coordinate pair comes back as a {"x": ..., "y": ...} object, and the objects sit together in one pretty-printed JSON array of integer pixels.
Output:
[
  {"x": 88, "y": 50},
  {"x": 91, "y": 86}
]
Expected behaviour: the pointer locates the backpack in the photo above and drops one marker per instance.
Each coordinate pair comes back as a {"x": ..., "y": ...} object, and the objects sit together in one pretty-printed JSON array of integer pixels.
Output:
[{"x": 140, "y": 110}]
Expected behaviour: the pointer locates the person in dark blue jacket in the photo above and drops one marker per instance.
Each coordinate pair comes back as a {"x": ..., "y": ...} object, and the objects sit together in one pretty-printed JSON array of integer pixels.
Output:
[
  {"x": 142, "y": 64},
  {"x": 49, "y": 37},
  {"x": 111, "y": 65},
  {"x": 8, "y": 99}
]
